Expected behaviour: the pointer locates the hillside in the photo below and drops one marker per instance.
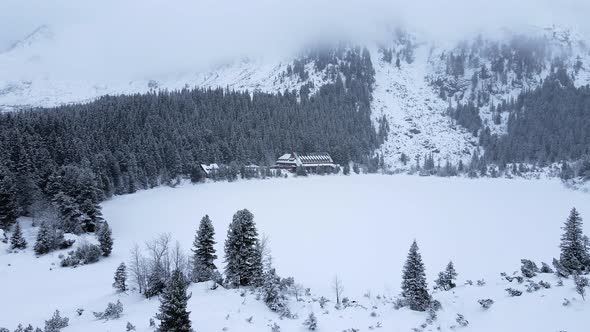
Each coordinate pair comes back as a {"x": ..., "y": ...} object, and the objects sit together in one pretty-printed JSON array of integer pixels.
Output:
[{"x": 416, "y": 80}]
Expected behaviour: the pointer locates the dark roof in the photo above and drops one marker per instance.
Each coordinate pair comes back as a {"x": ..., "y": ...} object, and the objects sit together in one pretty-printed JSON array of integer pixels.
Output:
[{"x": 315, "y": 158}]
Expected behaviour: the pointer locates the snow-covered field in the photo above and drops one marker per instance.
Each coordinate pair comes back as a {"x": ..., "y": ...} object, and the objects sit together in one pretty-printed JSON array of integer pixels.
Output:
[{"x": 359, "y": 228}]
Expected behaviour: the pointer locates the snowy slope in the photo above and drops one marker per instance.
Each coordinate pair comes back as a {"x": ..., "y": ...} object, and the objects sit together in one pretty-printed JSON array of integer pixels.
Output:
[
  {"x": 371, "y": 218},
  {"x": 558, "y": 44},
  {"x": 416, "y": 115}
]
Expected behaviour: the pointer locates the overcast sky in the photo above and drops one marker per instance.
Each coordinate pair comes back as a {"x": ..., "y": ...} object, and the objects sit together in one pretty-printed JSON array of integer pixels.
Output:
[{"x": 137, "y": 36}]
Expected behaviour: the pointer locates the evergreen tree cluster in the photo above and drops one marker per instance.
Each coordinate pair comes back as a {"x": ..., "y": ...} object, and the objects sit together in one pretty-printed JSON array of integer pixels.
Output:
[
  {"x": 403, "y": 48},
  {"x": 492, "y": 65},
  {"x": 467, "y": 116},
  {"x": 345, "y": 63},
  {"x": 50, "y": 237},
  {"x": 8, "y": 205},
  {"x": 545, "y": 125}
]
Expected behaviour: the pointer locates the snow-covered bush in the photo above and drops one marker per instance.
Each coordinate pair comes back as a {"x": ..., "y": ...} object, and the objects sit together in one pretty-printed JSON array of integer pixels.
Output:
[
  {"x": 66, "y": 243},
  {"x": 481, "y": 282},
  {"x": 273, "y": 293},
  {"x": 113, "y": 311},
  {"x": 529, "y": 269},
  {"x": 544, "y": 284},
  {"x": 20, "y": 328},
  {"x": 85, "y": 254},
  {"x": 560, "y": 270},
  {"x": 486, "y": 303},
  {"x": 311, "y": 323},
  {"x": 469, "y": 282},
  {"x": 129, "y": 327},
  {"x": 56, "y": 322},
  {"x": 532, "y": 286},
  {"x": 566, "y": 302},
  {"x": 399, "y": 303},
  {"x": 545, "y": 268},
  {"x": 581, "y": 284},
  {"x": 323, "y": 300},
  {"x": 513, "y": 292},
  {"x": 274, "y": 327},
  {"x": 345, "y": 302},
  {"x": 461, "y": 320},
  {"x": 435, "y": 305}
]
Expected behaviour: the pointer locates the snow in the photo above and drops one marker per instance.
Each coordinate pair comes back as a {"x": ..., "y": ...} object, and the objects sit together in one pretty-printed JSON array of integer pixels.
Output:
[
  {"x": 416, "y": 115},
  {"x": 357, "y": 227}
]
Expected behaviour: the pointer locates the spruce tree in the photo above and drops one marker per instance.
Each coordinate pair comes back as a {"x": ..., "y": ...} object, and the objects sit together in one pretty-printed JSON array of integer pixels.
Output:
[
  {"x": 71, "y": 216},
  {"x": 8, "y": 206},
  {"x": 155, "y": 283},
  {"x": 204, "y": 252},
  {"x": 447, "y": 277},
  {"x": 242, "y": 256},
  {"x": 45, "y": 239},
  {"x": 120, "y": 283},
  {"x": 414, "y": 286},
  {"x": 173, "y": 315},
  {"x": 17, "y": 241},
  {"x": 105, "y": 239},
  {"x": 574, "y": 256}
]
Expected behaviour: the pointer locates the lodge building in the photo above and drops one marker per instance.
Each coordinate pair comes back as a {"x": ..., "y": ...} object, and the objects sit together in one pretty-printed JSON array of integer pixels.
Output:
[{"x": 312, "y": 162}]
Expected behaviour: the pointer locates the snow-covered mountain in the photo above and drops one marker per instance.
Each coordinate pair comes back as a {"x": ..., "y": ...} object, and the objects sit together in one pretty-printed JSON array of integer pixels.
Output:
[{"x": 416, "y": 80}]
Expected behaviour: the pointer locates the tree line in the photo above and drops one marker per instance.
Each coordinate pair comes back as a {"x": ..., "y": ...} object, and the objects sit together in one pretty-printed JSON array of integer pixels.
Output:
[{"x": 69, "y": 158}]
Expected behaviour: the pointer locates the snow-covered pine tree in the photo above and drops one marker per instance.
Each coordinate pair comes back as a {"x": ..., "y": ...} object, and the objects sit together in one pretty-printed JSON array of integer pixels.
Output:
[
  {"x": 581, "y": 283},
  {"x": 204, "y": 252},
  {"x": 173, "y": 315},
  {"x": 120, "y": 283},
  {"x": 17, "y": 241},
  {"x": 155, "y": 283},
  {"x": 528, "y": 268},
  {"x": 8, "y": 206},
  {"x": 45, "y": 239},
  {"x": 105, "y": 239},
  {"x": 242, "y": 256},
  {"x": 446, "y": 279},
  {"x": 574, "y": 256},
  {"x": 414, "y": 286},
  {"x": 311, "y": 323},
  {"x": 71, "y": 216},
  {"x": 56, "y": 323},
  {"x": 272, "y": 294}
]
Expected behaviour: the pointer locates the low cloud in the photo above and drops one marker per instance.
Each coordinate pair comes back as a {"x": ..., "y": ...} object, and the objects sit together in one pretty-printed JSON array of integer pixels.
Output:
[{"x": 131, "y": 39}]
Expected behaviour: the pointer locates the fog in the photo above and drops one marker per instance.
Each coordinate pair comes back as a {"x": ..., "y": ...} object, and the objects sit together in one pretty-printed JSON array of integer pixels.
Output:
[{"x": 129, "y": 39}]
